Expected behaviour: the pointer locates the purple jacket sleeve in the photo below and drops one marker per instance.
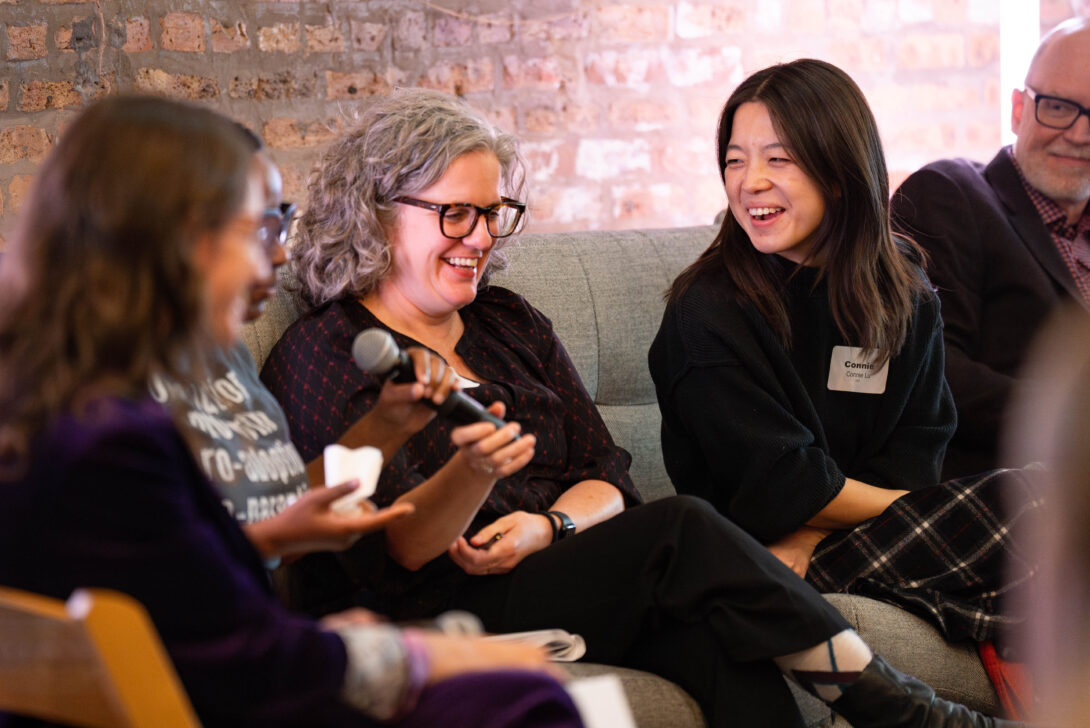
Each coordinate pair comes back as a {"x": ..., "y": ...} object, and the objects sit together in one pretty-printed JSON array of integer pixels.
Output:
[{"x": 117, "y": 502}]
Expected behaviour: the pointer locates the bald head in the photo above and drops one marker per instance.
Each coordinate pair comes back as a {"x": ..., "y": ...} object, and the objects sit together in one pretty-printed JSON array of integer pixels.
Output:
[
  {"x": 1057, "y": 161},
  {"x": 1064, "y": 49}
]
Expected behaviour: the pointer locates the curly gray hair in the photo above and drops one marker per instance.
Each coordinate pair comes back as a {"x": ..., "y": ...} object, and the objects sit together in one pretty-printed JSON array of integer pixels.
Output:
[{"x": 403, "y": 143}]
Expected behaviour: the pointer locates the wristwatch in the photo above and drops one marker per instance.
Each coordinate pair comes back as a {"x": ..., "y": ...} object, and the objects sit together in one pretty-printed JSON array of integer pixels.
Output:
[{"x": 567, "y": 526}]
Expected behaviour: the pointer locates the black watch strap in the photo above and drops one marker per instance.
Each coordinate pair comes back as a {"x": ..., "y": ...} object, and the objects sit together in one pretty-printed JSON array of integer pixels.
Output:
[{"x": 566, "y": 528}]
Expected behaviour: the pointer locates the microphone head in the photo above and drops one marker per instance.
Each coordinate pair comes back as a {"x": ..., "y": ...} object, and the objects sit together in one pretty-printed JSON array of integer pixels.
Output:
[{"x": 375, "y": 351}]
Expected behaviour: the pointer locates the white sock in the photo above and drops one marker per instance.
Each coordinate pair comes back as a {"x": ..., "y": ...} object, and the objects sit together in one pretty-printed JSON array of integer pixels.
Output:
[{"x": 828, "y": 668}]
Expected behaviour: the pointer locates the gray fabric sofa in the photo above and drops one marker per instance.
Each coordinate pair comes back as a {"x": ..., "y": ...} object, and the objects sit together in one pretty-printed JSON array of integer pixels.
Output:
[{"x": 603, "y": 292}]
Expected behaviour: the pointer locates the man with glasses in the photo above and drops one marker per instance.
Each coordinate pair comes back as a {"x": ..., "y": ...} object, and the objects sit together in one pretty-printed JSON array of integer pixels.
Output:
[{"x": 1009, "y": 241}]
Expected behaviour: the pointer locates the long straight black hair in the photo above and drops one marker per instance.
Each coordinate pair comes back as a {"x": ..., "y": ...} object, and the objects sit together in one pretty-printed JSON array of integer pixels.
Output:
[{"x": 823, "y": 120}]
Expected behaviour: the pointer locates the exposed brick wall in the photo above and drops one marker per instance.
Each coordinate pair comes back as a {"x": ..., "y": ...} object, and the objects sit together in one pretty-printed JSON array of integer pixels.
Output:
[{"x": 616, "y": 100}]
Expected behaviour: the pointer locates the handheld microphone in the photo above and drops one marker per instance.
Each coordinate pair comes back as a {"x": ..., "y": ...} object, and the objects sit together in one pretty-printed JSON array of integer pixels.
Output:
[{"x": 375, "y": 351}]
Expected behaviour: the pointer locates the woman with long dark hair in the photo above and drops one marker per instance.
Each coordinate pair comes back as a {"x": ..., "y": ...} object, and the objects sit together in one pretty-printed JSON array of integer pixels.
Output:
[
  {"x": 799, "y": 368},
  {"x": 406, "y": 218}
]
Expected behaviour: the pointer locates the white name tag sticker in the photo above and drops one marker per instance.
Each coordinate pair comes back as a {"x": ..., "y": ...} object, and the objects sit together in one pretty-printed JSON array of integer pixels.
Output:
[{"x": 852, "y": 370}]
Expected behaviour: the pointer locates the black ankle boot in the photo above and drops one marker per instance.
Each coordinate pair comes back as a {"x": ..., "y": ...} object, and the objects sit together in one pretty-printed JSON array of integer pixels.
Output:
[{"x": 883, "y": 697}]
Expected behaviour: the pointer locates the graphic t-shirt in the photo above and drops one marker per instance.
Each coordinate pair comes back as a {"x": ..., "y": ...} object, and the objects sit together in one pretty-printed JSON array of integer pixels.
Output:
[{"x": 238, "y": 435}]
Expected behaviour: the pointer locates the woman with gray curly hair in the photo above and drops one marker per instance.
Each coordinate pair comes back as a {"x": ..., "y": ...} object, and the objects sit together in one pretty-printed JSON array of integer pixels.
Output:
[
  {"x": 342, "y": 246},
  {"x": 543, "y": 529}
]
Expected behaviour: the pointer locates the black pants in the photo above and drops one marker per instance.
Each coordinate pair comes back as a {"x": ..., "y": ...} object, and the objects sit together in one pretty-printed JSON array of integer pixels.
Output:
[{"x": 673, "y": 588}]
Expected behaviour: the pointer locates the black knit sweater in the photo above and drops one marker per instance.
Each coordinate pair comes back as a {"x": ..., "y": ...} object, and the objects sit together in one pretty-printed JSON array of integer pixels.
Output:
[{"x": 753, "y": 427}]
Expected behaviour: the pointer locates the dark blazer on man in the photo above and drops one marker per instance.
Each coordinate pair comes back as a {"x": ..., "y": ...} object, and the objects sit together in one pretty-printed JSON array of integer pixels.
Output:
[{"x": 999, "y": 275}]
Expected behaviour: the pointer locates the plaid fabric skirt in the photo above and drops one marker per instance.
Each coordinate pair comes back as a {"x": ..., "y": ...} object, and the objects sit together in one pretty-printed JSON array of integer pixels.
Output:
[{"x": 949, "y": 553}]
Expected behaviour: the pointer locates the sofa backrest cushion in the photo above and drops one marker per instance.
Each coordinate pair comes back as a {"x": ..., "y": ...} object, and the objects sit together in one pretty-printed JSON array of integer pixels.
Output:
[{"x": 603, "y": 291}]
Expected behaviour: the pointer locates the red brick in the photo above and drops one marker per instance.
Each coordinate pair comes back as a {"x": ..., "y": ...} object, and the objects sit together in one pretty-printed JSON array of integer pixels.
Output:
[
  {"x": 366, "y": 36},
  {"x": 26, "y": 42},
  {"x": 910, "y": 12},
  {"x": 541, "y": 120},
  {"x": 23, "y": 142},
  {"x": 692, "y": 158},
  {"x": 704, "y": 198},
  {"x": 228, "y": 38},
  {"x": 561, "y": 205},
  {"x": 287, "y": 133},
  {"x": 988, "y": 13},
  {"x": 574, "y": 26},
  {"x": 703, "y": 111},
  {"x": 922, "y": 138},
  {"x": 279, "y": 38},
  {"x": 156, "y": 80},
  {"x": 632, "y": 23},
  {"x": 62, "y": 39},
  {"x": 983, "y": 136},
  {"x": 284, "y": 85},
  {"x": 497, "y": 29},
  {"x": 642, "y": 114},
  {"x": 880, "y": 15},
  {"x": 644, "y": 202},
  {"x": 763, "y": 55},
  {"x": 632, "y": 67},
  {"x": 1055, "y": 11},
  {"x": 702, "y": 20},
  {"x": 324, "y": 39},
  {"x": 939, "y": 50},
  {"x": 924, "y": 98},
  {"x": 294, "y": 175},
  {"x": 452, "y": 32},
  {"x": 4, "y": 94},
  {"x": 411, "y": 31},
  {"x": 519, "y": 72},
  {"x": 182, "y": 32},
  {"x": 460, "y": 78},
  {"x": 137, "y": 35},
  {"x": 983, "y": 49},
  {"x": 41, "y": 95},
  {"x": 847, "y": 9},
  {"x": 600, "y": 159},
  {"x": 693, "y": 66},
  {"x": 806, "y": 16},
  {"x": 542, "y": 159},
  {"x": 581, "y": 117},
  {"x": 503, "y": 117},
  {"x": 358, "y": 85},
  {"x": 17, "y": 190},
  {"x": 859, "y": 54},
  {"x": 952, "y": 12}
]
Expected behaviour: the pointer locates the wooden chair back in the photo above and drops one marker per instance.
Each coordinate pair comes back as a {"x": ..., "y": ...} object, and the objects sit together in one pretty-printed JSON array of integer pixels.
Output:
[{"x": 95, "y": 660}]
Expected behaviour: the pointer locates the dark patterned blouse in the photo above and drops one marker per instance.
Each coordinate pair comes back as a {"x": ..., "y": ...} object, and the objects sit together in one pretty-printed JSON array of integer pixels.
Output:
[{"x": 514, "y": 350}]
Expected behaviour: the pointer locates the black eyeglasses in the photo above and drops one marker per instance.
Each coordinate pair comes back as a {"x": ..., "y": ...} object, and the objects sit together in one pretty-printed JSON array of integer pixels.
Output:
[
  {"x": 1055, "y": 112},
  {"x": 275, "y": 224},
  {"x": 458, "y": 219}
]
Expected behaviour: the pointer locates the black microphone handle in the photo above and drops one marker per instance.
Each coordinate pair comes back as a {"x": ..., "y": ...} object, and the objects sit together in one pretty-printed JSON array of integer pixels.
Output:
[{"x": 458, "y": 406}]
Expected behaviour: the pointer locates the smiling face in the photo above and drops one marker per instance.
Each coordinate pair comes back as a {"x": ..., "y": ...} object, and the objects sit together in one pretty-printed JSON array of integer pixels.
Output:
[
  {"x": 1057, "y": 161},
  {"x": 432, "y": 275},
  {"x": 265, "y": 288},
  {"x": 231, "y": 262},
  {"x": 776, "y": 203}
]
